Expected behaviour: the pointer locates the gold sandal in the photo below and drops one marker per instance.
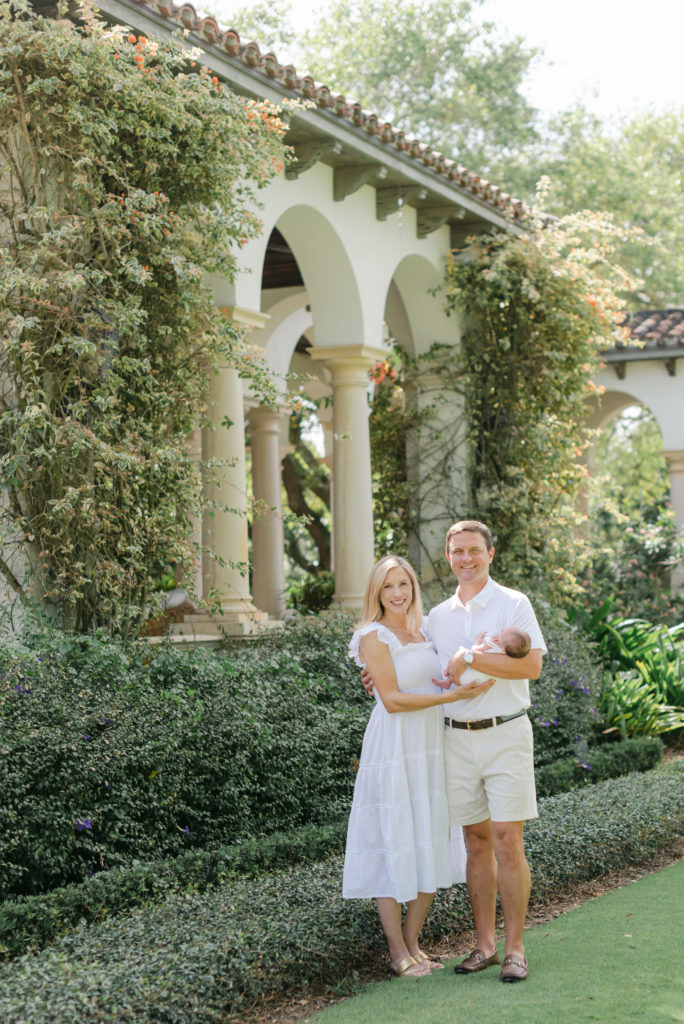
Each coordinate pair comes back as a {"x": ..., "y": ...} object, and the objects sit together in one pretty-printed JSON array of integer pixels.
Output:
[
  {"x": 434, "y": 965},
  {"x": 403, "y": 969}
]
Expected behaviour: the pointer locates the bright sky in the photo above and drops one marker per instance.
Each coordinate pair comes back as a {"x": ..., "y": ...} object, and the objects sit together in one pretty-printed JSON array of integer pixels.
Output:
[{"x": 615, "y": 56}]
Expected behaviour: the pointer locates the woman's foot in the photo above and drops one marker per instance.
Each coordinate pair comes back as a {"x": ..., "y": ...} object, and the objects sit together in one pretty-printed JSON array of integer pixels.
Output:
[
  {"x": 422, "y": 958},
  {"x": 410, "y": 968}
]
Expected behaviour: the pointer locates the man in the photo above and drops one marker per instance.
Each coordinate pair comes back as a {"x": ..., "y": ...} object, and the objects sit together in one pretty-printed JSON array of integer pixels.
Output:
[{"x": 488, "y": 744}]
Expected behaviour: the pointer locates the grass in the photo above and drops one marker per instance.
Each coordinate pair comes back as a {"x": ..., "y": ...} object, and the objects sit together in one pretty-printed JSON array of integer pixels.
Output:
[{"x": 615, "y": 959}]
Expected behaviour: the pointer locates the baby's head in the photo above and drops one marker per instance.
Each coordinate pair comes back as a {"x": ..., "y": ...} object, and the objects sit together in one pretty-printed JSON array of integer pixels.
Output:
[{"x": 515, "y": 642}]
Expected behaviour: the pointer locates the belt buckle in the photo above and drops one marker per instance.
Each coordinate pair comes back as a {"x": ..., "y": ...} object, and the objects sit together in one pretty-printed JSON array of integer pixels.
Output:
[{"x": 468, "y": 724}]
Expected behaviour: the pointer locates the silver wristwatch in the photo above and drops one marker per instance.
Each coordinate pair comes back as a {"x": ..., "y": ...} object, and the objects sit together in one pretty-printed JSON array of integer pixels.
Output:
[{"x": 468, "y": 658}]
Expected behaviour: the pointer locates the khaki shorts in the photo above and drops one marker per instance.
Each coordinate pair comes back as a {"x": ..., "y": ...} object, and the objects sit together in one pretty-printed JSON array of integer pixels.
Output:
[{"x": 490, "y": 773}]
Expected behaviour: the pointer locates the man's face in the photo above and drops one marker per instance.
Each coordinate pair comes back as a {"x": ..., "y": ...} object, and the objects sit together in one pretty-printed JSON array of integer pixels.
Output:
[{"x": 469, "y": 558}]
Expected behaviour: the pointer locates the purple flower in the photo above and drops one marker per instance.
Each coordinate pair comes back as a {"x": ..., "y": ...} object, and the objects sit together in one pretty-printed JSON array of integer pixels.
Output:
[
  {"x": 22, "y": 689},
  {"x": 555, "y": 721},
  {"x": 85, "y": 823},
  {"x": 583, "y": 764},
  {"x": 544, "y": 724},
  {"x": 86, "y": 736}
]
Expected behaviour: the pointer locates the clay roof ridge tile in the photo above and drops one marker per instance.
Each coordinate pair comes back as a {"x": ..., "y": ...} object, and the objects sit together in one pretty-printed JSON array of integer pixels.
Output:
[{"x": 229, "y": 41}]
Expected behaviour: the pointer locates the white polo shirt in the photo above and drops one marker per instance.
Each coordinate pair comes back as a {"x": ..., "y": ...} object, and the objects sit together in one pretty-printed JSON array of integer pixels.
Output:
[{"x": 452, "y": 624}]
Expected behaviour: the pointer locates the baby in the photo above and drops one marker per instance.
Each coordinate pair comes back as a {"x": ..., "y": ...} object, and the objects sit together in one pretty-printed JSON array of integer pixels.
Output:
[{"x": 511, "y": 641}]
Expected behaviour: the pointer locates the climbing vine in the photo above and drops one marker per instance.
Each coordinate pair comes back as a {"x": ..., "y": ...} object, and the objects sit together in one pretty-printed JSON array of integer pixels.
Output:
[
  {"x": 126, "y": 172},
  {"x": 540, "y": 306},
  {"x": 501, "y": 437}
]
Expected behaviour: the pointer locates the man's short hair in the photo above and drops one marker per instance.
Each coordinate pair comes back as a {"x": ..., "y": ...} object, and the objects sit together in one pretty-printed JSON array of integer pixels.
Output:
[{"x": 471, "y": 526}]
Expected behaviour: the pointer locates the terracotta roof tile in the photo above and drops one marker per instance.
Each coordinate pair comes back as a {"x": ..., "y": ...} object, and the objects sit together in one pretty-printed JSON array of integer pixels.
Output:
[
  {"x": 657, "y": 328},
  {"x": 228, "y": 41}
]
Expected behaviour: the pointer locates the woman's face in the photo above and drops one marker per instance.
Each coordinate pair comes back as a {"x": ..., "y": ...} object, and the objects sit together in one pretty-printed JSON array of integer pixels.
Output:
[{"x": 396, "y": 592}]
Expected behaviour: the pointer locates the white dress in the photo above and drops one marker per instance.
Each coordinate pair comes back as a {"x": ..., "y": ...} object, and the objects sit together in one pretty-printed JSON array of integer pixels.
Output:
[{"x": 398, "y": 841}]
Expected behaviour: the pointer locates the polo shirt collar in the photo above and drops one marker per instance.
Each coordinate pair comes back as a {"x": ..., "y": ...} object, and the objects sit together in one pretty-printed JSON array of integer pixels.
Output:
[{"x": 482, "y": 599}]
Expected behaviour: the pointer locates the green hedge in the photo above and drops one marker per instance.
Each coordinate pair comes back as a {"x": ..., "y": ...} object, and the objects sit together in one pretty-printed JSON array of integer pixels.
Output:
[
  {"x": 565, "y": 698},
  {"x": 206, "y": 957},
  {"x": 603, "y": 762},
  {"x": 110, "y": 755},
  {"x": 113, "y": 754},
  {"x": 32, "y": 922}
]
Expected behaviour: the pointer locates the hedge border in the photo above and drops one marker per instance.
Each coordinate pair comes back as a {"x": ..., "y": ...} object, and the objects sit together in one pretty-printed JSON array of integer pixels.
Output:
[{"x": 206, "y": 957}]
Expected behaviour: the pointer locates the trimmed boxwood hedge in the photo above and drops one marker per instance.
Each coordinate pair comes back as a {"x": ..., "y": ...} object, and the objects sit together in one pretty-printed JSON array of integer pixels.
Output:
[
  {"x": 599, "y": 763},
  {"x": 112, "y": 754},
  {"x": 32, "y": 922},
  {"x": 206, "y": 957}
]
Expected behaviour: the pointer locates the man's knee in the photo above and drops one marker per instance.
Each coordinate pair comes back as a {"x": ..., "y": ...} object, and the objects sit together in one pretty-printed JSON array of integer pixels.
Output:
[
  {"x": 478, "y": 838},
  {"x": 507, "y": 837}
]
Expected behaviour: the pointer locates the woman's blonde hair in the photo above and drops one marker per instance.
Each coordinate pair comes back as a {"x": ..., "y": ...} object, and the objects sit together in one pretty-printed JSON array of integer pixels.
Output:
[{"x": 372, "y": 609}]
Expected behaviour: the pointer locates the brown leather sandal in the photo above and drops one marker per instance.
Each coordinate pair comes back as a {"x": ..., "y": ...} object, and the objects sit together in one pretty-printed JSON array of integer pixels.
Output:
[
  {"x": 476, "y": 961},
  {"x": 514, "y": 968}
]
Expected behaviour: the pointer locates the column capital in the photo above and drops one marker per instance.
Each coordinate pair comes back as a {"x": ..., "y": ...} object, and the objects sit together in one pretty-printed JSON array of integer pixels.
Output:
[
  {"x": 348, "y": 357},
  {"x": 246, "y": 318},
  {"x": 675, "y": 460}
]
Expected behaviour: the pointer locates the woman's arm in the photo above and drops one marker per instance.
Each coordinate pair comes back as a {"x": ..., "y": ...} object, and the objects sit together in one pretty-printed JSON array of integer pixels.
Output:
[{"x": 378, "y": 660}]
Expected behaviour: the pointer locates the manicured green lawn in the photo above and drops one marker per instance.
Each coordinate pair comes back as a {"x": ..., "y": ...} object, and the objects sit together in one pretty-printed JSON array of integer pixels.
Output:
[{"x": 616, "y": 959}]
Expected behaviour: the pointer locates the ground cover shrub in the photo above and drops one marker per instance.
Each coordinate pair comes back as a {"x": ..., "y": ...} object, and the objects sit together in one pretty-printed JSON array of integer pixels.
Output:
[
  {"x": 206, "y": 957},
  {"x": 111, "y": 754},
  {"x": 32, "y": 922},
  {"x": 606, "y": 761}
]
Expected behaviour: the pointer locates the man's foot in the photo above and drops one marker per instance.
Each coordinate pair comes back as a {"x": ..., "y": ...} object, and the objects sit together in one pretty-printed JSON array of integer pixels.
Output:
[
  {"x": 514, "y": 968},
  {"x": 476, "y": 961}
]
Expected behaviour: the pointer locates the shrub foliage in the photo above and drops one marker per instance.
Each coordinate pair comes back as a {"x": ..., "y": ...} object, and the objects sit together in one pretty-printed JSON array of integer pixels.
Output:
[
  {"x": 210, "y": 956},
  {"x": 126, "y": 171}
]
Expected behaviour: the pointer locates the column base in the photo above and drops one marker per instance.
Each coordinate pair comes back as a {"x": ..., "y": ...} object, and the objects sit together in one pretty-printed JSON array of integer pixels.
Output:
[{"x": 226, "y": 623}]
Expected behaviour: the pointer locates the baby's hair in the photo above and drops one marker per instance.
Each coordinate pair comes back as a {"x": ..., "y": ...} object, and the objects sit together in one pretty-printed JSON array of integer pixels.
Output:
[{"x": 515, "y": 642}]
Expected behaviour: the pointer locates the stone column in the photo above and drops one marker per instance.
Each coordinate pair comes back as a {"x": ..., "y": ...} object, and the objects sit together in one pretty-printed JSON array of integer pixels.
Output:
[
  {"x": 675, "y": 463},
  {"x": 436, "y": 465},
  {"x": 352, "y": 492},
  {"x": 195, "y": 582},
  {"x": 268, "y": 579},
  {"x": 224, "y": 527}
]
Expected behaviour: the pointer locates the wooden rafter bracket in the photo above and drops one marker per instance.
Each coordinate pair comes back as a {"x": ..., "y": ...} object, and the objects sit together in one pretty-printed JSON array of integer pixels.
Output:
[
  {"x": 309, "y": 153},
  {"x": 390, "y": 200},
  {"x": 349, "y": 179},
  {"x": 434, "y": 217}
]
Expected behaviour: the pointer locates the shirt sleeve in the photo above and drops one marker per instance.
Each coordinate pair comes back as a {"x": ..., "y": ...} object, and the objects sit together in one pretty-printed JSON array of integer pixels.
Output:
[{"x": 524, "y": 618}]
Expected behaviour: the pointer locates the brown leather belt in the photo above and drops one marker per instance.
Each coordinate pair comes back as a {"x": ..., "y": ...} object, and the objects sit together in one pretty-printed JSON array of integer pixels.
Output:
[{"x": 483, "y": 723}]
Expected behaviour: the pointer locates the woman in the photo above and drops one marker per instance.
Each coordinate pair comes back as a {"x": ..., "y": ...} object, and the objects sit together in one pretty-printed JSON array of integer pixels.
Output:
[{"x": 398, "y": 848}]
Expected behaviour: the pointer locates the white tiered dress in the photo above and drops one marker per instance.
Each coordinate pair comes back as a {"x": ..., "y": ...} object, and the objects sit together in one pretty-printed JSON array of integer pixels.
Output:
[{"x": 398, "y": 840}]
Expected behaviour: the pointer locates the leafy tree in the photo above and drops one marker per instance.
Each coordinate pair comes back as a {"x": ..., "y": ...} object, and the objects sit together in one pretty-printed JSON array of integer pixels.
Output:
[
  {"x": 266, "y": 22},
  {"x": 540, "y": 307},
  {"x": 634, "y": 170},
  {"x": 430, "y": 68},
  {"x": 634, "y": 537},
  {"x": 125, "y": 172}
]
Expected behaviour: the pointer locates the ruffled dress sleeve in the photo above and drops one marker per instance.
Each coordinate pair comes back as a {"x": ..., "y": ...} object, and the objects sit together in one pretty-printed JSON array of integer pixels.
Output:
[{"x": 384, "y": 634}]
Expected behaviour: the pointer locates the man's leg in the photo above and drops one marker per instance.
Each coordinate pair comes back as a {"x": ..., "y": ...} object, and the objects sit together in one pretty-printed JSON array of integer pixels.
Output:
[
  {"x": 514, "y": 881},
  {"x": 482, "y": 879}
]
